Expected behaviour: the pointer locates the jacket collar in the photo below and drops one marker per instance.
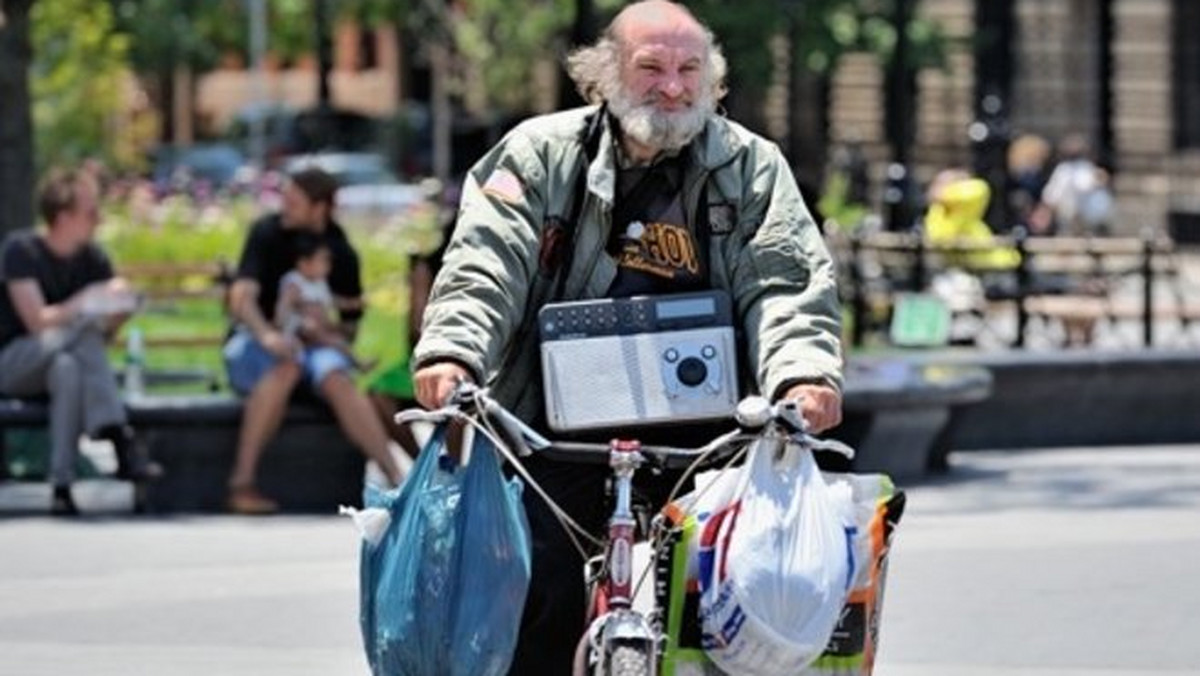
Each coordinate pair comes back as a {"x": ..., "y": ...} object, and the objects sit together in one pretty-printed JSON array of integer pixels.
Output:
[{"x": 714, "y": 147}]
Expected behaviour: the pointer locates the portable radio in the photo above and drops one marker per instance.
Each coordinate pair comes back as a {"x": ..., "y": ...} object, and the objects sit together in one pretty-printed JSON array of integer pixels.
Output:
[{"x": 638, "y": 361}]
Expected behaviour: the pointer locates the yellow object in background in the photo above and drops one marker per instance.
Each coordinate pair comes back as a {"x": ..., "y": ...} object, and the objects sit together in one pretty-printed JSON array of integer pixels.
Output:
[{"x": 956, "y": 216}]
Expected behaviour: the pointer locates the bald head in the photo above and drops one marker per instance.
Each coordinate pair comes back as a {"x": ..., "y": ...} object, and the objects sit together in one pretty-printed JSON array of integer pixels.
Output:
[{"x": 651, "y": 19}]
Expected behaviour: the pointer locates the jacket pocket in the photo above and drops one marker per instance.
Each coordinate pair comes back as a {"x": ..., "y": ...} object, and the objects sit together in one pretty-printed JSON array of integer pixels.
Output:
[{"x": 780, "y": 261}]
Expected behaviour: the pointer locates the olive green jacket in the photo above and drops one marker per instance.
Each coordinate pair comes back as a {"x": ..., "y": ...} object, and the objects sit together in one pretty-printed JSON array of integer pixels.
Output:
[{"x": 764, "y": 249}]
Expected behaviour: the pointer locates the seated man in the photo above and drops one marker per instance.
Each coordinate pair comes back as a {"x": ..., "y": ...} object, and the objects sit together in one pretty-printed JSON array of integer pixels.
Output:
[
  {"x": 59, "y": 307},
  {"x": 267, "y": 364}
]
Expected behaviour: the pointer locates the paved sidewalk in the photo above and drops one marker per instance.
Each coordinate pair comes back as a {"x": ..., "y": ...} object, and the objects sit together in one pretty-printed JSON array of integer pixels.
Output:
[
  {"x": 1043, "y": 563},
  {"x": 1061, "y": 562},
  {"x": 213, "y": 595}
]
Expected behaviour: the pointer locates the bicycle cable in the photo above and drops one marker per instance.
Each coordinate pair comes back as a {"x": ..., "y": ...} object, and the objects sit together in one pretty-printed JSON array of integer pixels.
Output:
[{"x": 564, "y": 519}]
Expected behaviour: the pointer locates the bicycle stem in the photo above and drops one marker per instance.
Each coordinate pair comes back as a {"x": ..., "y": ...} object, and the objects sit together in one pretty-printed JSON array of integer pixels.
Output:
[{"x": 624, "y": 458}]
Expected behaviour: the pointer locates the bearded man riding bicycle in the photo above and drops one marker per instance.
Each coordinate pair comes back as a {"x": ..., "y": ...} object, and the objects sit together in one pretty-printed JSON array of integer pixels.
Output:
[{"x": 648, "y": 191}]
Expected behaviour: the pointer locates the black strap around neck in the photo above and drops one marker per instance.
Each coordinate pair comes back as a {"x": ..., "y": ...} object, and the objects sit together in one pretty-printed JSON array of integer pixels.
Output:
[{"x": 589, "y": 139}]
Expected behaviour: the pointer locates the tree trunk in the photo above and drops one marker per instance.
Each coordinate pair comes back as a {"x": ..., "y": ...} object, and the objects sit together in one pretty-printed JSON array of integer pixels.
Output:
[
  {"x": 164, "y": 95},
  {"x": 443, "y": 112},
  {"x": 583, "y": 32},
  {"x": 182, "y": 106},
  {"x": 324, "y": 56},
  {"x": 16, "y": 123}
]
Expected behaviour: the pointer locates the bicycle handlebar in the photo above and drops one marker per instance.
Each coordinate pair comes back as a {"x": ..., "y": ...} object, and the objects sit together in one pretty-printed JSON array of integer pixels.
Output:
[{"x": 755, "y": 417}]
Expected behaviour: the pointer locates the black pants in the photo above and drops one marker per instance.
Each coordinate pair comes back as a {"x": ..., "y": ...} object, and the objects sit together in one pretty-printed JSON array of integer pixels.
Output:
[{"x": 556, "y": 609}]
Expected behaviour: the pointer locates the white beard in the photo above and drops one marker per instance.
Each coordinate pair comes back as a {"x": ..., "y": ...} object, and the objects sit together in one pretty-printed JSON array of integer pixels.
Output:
[{"x": 659, "y": 129}]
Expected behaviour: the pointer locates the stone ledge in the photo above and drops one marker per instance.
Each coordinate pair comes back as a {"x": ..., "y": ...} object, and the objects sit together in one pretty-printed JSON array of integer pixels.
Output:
[
  {"x": 899, "y": 414},
  {"x": 897, "y": 382},
  {"x": 212, "y": 409},
  {"x": 1081, "y": 398},
  {"x": 309, "y": 466}
]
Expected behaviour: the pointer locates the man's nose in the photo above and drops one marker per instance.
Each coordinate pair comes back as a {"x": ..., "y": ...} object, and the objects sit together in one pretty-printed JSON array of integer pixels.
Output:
[{"x": 672, "y": 86}]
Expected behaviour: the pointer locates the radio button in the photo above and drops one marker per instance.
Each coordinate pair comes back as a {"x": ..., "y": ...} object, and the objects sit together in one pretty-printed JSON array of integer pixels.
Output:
[{"x": 671, "y": 355}]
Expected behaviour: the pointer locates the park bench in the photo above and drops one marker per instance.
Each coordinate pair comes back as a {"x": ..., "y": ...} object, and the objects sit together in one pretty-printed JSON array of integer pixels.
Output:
[
  {"x": 1062, "y": 285},
  {"x": 1117, "y": 280},
  {"x": 170, "y": 288}
]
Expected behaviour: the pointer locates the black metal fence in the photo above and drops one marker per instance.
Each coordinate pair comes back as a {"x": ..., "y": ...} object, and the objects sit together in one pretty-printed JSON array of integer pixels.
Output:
[{"x": 876, "y": 266}]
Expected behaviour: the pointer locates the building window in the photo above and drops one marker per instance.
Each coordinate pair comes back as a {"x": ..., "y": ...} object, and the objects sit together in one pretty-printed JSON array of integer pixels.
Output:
[{"x": 1185, "y": 73}]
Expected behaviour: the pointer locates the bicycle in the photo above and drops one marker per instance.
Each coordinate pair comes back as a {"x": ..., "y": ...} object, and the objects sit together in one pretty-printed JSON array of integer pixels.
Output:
[{"x": 620, "y": 640}]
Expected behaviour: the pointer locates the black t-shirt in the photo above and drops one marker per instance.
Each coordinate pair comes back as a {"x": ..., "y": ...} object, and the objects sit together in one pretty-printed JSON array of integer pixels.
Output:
[
  {"x": 25, "y": 255},
  {"x": 652, "y": 243},
  {"x": 270, "y": 253}
]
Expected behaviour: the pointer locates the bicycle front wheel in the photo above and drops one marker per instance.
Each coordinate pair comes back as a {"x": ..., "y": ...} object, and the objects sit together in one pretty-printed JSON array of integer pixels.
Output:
[{"x": 629, "y": 660}]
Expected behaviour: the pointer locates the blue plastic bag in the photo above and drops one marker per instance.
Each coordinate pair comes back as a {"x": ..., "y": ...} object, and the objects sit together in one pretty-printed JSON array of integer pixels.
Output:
[{"x": 443, "y": 589}]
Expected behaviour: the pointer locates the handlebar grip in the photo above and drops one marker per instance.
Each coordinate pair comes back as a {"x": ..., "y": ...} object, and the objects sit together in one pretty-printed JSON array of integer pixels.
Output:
[
  {"x": 412, "y": 415},
  {"x": 755, "y": 413}
]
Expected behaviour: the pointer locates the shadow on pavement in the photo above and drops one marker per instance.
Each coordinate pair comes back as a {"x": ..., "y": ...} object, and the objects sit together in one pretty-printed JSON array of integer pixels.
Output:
[{"x": 1066, "y": 479}]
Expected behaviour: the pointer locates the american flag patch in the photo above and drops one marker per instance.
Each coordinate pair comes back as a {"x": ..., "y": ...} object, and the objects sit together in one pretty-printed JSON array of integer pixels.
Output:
[{"x": 504, "y": 186}]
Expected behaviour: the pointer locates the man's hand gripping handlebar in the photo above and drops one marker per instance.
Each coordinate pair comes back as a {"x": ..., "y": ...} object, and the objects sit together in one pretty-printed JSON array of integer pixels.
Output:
[{"x": 468, "y": 402}]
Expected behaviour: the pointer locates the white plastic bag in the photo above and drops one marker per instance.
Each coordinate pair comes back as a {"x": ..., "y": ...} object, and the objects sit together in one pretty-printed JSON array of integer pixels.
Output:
[{"x": 775, "y": 565}]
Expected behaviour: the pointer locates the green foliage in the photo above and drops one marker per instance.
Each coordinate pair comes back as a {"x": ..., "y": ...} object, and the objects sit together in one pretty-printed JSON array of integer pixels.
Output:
[
  {"x": 167, "y": 33},
  {"x": 292, "y": 25},
  {"x": 502, "y": 40},
  {"x": 375, "y": 12},
  {"x": 837, "y": 207},
  {"x": 821, "y": 30},
  {"x": 502, "y": 43},
  {"x": 76, "y": 81},
  {"x": 179, "y": 232}
]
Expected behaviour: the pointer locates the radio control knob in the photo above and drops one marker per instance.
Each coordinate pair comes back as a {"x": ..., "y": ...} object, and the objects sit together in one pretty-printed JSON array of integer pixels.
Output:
[{"x": 692, "y": 372}]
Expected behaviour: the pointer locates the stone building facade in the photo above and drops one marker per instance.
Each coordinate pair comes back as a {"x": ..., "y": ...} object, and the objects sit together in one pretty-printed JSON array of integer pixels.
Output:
[
  {"x": 365, "y": 78},
  {"x": 1124, "y": 73}
]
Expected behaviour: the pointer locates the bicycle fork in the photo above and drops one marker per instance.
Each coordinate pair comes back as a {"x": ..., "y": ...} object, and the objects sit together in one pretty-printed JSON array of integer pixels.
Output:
[{"x": 619, "y": 637}]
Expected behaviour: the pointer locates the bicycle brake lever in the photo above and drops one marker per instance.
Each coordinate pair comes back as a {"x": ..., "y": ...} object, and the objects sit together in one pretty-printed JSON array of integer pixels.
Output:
[
  {"x": 437, "y": 415},
  {"x": 525, "y": 437},
  {"x": 788, "y": 413},
  {"x": 463, "y": 395},
  {"x": 832, "y": 445}
]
